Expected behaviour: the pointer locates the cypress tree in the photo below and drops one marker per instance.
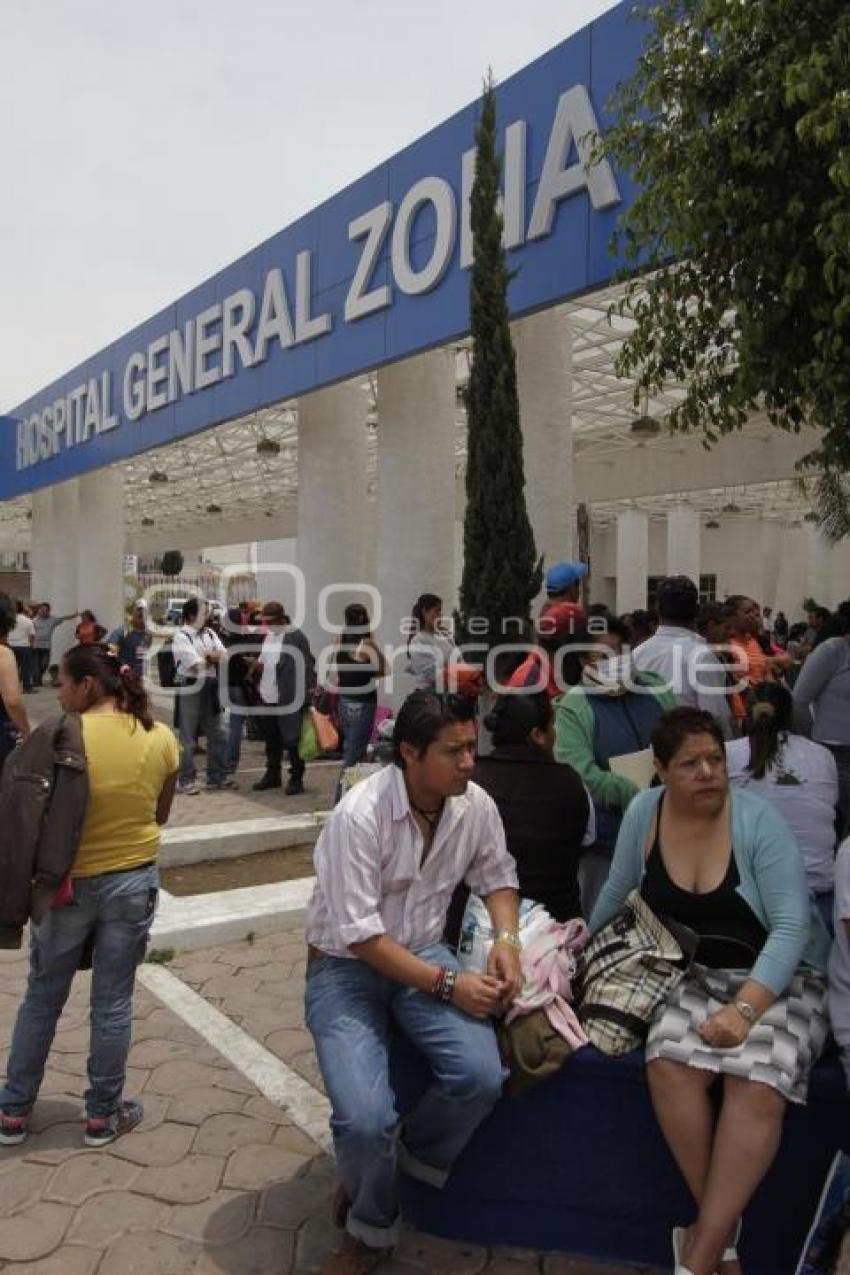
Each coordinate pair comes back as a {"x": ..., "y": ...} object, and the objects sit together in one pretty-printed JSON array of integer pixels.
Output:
[{"x": 501, "y": 574}]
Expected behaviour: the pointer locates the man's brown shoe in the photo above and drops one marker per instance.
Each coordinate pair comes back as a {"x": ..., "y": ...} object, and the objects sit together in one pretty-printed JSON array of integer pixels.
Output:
[
  {"x": 340, "y": 1207},
  {"x": 353, "y": 1257}
]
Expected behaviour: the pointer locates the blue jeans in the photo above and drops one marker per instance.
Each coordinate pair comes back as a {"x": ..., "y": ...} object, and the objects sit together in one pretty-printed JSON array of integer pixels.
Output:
[
  {"x": 351, "y": 1010},
  {"x": 199, "y": 710},
  {"x": 826, "y": 903},
  {"x": 357, "y": 717},
  {"x": 116, "y": 911}
]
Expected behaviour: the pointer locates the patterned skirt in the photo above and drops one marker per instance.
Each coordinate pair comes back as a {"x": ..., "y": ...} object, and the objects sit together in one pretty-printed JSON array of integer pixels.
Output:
[{"x": 781, "y": 1047}]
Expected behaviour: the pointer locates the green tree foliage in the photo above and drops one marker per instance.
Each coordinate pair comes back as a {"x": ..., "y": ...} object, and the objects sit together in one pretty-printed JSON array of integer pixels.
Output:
[
  {"x": 172, "y": 562},
  {"x": 501, "y": 574},
  {"x": 736, "y": 127}
]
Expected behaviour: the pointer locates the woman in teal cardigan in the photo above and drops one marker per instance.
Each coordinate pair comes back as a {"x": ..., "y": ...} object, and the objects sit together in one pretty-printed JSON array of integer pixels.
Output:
[{"x": 753, "y": 1010}]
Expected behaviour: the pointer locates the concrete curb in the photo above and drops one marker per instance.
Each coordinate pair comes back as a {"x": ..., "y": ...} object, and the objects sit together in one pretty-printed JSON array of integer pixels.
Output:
[
  {"x": 205, "y": 920},
  {"x": 202, "y": 842}
]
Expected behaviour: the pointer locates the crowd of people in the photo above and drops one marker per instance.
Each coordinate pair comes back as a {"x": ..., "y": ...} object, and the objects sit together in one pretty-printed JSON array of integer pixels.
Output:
[{"x": 691, "y": 756}]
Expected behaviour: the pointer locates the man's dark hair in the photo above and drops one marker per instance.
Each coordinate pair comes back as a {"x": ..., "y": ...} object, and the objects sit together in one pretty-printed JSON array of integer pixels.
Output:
[
  {"x": 191, "y": 607},
  {"x": 676, "y": 725},
  {"x": 423, "y": 715},
  {"x": 678, "y": 600}
]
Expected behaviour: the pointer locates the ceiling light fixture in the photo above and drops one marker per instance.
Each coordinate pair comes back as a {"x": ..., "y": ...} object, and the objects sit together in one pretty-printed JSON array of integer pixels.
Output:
[
  {"x": 157, "y": 476},
  {"x": 268, "y": 447},
  {"x": 645, "y": 426},
  {"x": 712, "y": 524},
  {"x": 147, "y": 522},
  {"x": 213, "y": 509}
]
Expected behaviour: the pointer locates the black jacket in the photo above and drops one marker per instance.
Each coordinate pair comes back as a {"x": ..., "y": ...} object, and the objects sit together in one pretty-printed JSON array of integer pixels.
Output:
[
  {"x": 296, "y": 679},
  {"x": 43, "y": 797},
  {"x": 545, "y": 809}
]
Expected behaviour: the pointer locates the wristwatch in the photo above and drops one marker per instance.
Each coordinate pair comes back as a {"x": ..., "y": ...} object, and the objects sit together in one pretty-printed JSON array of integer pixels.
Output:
[
  {"x": 509, "y": 938},
  {"x": 746, "y": 1010}
]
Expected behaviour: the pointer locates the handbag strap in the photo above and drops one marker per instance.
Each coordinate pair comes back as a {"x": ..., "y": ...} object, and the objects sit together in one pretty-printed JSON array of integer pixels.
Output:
[{"x": 608, "y": 1014}]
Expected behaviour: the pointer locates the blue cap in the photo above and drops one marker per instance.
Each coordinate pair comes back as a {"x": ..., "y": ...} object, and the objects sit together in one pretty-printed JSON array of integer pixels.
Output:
[{"x": 563, "y": 575}]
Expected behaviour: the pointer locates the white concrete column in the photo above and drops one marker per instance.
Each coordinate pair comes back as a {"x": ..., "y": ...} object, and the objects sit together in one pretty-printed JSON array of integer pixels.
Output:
[
  {"x": 63, "y": 591},
  {"x": 632, "y": 559},
  {"x": 818, "y": 555},
  {"x": 416, "y": 491},
  {"x": 41, "y": 546},
  {"x": 683, "y": 542},
  {"x": 771, "y": 552},
  {"x": 331, "y": 501},
  {"x": 276, "y": 560},
  {"x": 100, "y": 546},
  {"x": 544, "y": 352}
]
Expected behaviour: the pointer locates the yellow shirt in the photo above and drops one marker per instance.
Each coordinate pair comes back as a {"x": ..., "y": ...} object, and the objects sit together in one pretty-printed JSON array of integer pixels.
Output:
[{"x": 127, "y": 767}]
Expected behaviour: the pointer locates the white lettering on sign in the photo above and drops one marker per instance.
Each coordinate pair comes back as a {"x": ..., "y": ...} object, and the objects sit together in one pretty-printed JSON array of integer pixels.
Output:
[
  {"x": 307, "y": 328},
  {"x": 181, "y": 361},
  {"x": 511, "y": 203},
  {"x": 134, "y": 387},
  {"x": 275, "y": 321},
  {"x": 437, "y": 192},
  {"x": 412, "y": 245},
  {"x": 575, "y": 125},
  {"x": 238, "y": 316},
  {"x": 373, "y": 225}
]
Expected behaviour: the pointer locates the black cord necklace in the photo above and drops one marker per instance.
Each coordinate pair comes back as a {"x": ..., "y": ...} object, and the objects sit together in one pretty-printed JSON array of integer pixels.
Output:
[{"x": 431, "y": 817}]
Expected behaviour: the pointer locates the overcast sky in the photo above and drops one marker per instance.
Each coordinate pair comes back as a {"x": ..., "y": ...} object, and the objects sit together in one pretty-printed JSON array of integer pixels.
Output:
[{"x": 146, "y": 144}]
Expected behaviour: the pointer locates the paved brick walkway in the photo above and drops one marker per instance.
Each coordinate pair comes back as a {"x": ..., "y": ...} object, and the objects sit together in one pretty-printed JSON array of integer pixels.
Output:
[{"x": 217, "y": 1180}]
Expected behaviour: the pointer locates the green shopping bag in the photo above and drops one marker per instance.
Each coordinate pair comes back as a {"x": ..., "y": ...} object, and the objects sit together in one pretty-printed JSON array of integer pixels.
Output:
[{"x": 308, "y": 743}]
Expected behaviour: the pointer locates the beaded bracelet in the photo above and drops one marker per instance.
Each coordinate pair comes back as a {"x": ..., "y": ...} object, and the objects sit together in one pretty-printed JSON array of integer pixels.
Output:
[{"x": 444, "y": 984}]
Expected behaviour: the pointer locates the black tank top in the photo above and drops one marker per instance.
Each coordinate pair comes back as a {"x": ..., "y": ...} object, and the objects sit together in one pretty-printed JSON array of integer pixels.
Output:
[
  {"x": 356, "y": 677},
  {"x": 731, "y": 935}
]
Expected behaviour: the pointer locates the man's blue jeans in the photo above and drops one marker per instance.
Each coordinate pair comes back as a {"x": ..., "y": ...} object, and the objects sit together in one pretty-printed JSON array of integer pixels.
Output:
[
  {"x": 351, "y": 1010},
  {"x": 116, "y": 910}
]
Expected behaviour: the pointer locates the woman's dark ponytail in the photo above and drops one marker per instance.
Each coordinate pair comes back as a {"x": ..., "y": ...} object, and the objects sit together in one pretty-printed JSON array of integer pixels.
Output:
[
  {"x": 423, "y": 603},
  {"x": 769, "y": 718},
  {"x": 117, "y": 681}
]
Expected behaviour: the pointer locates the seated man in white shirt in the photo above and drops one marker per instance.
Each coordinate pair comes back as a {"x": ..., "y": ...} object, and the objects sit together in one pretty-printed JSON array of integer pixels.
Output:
[
  {"x": 387, "y": 862},
  {"x": 197, "y": 654},
  {"x": 677, "y": 654}
]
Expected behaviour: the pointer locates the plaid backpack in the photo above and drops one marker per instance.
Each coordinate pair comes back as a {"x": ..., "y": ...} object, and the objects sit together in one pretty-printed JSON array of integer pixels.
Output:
[{"x": 631, "y": 966}]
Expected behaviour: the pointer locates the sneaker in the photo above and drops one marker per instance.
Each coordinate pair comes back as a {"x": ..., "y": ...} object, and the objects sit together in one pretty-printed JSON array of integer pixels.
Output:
[
  {"x": 188, "y": 790},
  {"x": 13, "y": 1129},
  {"x": 101, "y": 1130},
  {"x": 217, "y": 785},
  {"x": 294, "y": 787}
]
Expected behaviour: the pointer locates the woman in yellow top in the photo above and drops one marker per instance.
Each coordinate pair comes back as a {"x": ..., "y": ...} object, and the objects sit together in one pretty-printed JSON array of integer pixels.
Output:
[{"x": 132, "y": 770}]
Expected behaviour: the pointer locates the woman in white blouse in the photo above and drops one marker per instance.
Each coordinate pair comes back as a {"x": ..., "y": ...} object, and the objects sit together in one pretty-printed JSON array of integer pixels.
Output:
[
  {"x": 796, "y": 775},
  {"x": 429, "y": 649}
]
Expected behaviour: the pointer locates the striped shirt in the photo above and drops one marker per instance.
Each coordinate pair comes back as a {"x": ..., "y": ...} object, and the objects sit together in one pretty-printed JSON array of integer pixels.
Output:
[{"x": 370, "y": 878}]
